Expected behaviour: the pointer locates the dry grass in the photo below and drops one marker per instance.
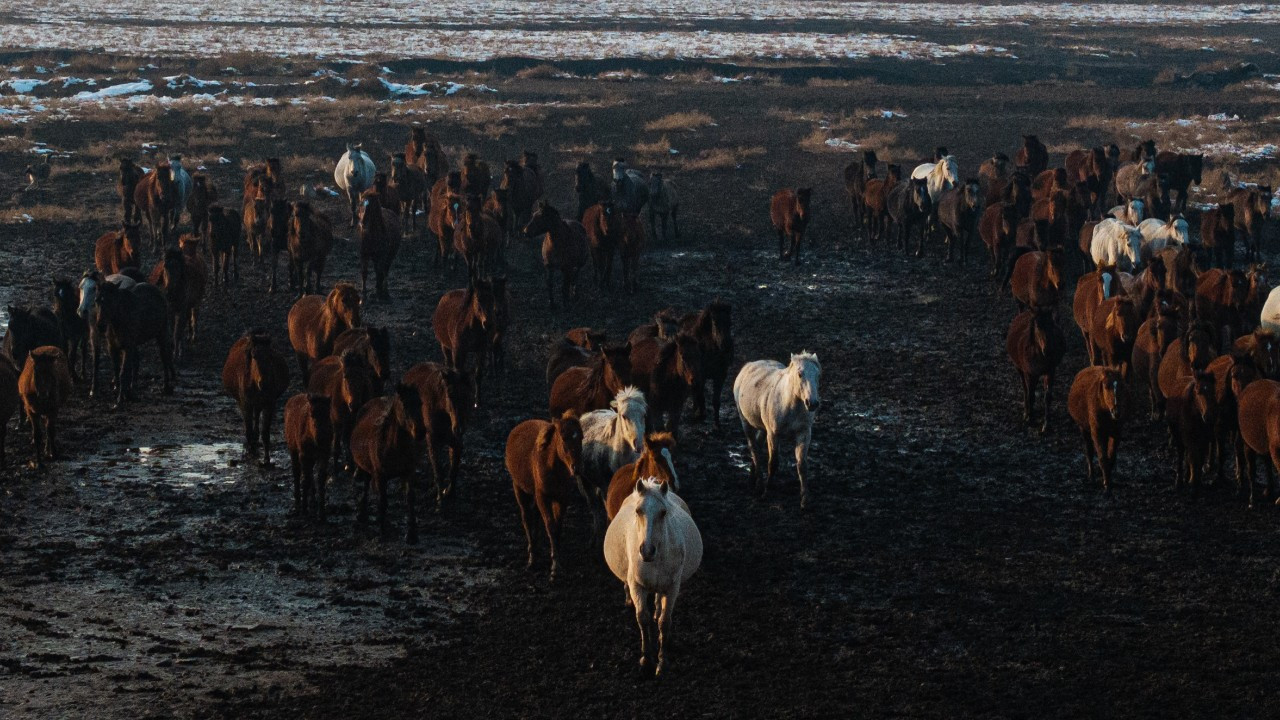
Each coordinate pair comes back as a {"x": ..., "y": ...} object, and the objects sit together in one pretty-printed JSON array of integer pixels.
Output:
[
  {"x": 660, "y": 147},
  {"x": 544, "y": 71},
  {"x": 841, "y": 82},
  {"x": 42, "y": 213},
  {"x": 577, "y": 121},
  {"x": 722, "y": 158},
  {"x": 680, "y": 122},
  {"x": 581, "y": 149}
]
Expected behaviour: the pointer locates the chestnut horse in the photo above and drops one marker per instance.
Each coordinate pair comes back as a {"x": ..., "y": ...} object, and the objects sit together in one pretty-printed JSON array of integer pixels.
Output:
[
  {"x": 379, "y": 242},
  {"x": 316, "y": 322},
  {"x": 477, "y": 238},
  {"x": 655, "y": 462},
  {"x": 790, "y": 212},
  {"x": 1032, "y": 157},
  {"x": 542, "y": 458},
  {"x": 593, "y": 387},
  {"x": 309, "y": 240},
  {"x": 666, "y": 371},
  {"x": 1036, "y": 278},
  {"x": 564, "y": 249},
  {"x": 374, "y": 343},
  {"x": 118, "y": 249},
  {"x": 155, "y": 197},
  {"x": 1095, "y": 404},
  {"x": 463, "y": 321},
  {"x": 308, "y": 434},
  {"x": 1258, "y": 417},
  {"x": 127, "y": 177},
  {"x": 386, "y": 443},
  {"x": 45, "y": 386},
  {"x": 1035, "y": 346},
  {"x": 713, "y": 328},
  {"x": 446, "y": 396},
  {"x": 603, "y": 224},
  {"x": 255, "y": 375}
]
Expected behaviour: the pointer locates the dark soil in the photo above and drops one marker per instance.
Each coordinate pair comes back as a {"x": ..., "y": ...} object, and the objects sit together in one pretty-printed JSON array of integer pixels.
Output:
[{"x": 951, "y": 563}]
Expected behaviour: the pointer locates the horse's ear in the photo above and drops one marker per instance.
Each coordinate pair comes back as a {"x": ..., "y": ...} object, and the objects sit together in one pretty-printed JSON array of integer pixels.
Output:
[{"x": 665, "y": 487}]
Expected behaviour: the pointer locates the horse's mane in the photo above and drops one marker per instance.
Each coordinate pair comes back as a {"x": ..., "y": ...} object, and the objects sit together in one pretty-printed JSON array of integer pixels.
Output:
[{"x": 630, "y": 395}]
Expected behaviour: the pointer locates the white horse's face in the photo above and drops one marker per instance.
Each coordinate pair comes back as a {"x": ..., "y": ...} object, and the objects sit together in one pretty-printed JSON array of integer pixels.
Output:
[
  {"x": 807, "y": 371},
  {"x": 651, "y": 517},
  {"x": 88, "y": 294},
  {"x": 951, "y": 170},
  {"x": 631, "y": 413}
]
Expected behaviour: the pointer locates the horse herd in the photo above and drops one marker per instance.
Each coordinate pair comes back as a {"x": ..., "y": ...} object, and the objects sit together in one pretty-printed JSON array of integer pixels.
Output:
[{"x": 610, "y": 434}]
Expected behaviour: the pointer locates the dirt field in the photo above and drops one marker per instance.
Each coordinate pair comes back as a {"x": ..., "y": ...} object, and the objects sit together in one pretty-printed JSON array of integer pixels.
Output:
[{"x": 951, "y": 564}]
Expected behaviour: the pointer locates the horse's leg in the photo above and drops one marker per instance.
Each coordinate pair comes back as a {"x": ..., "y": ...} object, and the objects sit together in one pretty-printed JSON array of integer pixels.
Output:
[
  {"x": 802, "y": 455},
  {"x": 548, "y": 524},
  {"x": 523, "y": 505},
  {"x": 264, "y": 426},
  {"x": 1108, "y": 463},
  {"x": 782, "y": 246},
  {"x": 1028, "y": 399},
  {"x": 455, "y": 464},
  {"x": 752, "y": 447},
  {"x": 250, "y": 437},
  {"x": 666, "y": 616},
  {"x": 36, "y": 458},
  {"x": 771, "y": 446},
  {"x": 362, "y": 512},
  {"x": 551, "y": 294},
  {"x": 642, "y": 600},
  {"x": 1048, "y": 392},
  {"x": 717, "y": 388},
  {"x": 434, "y": 461},
  {"x": 1088, "y": 453}
]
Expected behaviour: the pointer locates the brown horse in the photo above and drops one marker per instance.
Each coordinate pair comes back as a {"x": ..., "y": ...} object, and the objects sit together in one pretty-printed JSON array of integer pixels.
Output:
[
  {"x": 1093, "y": 168},
  {"x": 655, "y": 461},
  {"x": 542, "y": 458},
  {"x": 630, "y": 245},
  {"x": 316, "y": 322},
  {"x": 498, "y": 207},
  {"x": 713, "y": 328},
  {"x": 856, "y": 175},
  {"x": 1263, "y": 348},
  {"x": 383, "y": 194},
  {"x": 255, "y": 375},
  {"x": 998, "y": 229},
  {"x": 1032, "y": 157},
  {"x": 993, "y": 176},
  {"x": 1189, "y": 353},
  {"x": 127, "y": 177},
  {"x": 583, "y": 389},
  {"x": 564, "y": 249},
  {"x": 1231, "y": 374},
  {"x": 591, "y": 189},
  {"x": 445, "y": 204},
  {"x": 45, "y": 386},
  {"x": 875, "y": 203},
  {"x": 1094, "y": 403},
  {"x": 1219, "y": 300},
  {"x": 666, "y": 371},
  {"x": 1035, "y": 279},
  {"x": 524, "y": 186},
  {"x": 1218, "y": 234},
  {"x": 347, "y": 380},
  {"x": 1155, "y": 335},
  {"x": 575, "y": 349},
  {"x": 477, "y": 238},
  {"x": 789, "y": 210},
  {"x": 182, "y": 277},
  {"x": 374, "y": 343},
  {"x": 73, "y": 328},
  {"x": 1252, "y": 206},
  {"x": 133, "y": 317},
  {"x": 255, "y": 213},
  {"x": 379, "y": 243},
  {"x": 1258, "y": 418},
  {"x": 1183, "y": 170},
  {"x": 10, "y": 400},
  {"x": 409, "y": 186},
  {"x": 308, "y": 434},
  {"x": 118, "y": 249},
  {"x": 386, "y": 443},
  {"x": 269, "y": 176},
  {"x": 958, "y": 216},
  {"x": 603, "y": 223},
  {"x": 203, "y": 195},
  {"x": 1091, "y": 290},
  {"x": 275, "y": 236},
  {"x": 310, "y": 240},
  {"x": 1048, "y": 183},
  {"x": 1035, "y": 346},
  {"x": 155, "y": 197},
  {"x": 224, "y": 242},
  {"x": 476, "y": 177},
  {"x": 463, "y": 322},
  {"x": 1192, "y": 415},
  {"x": 446, "y": 401},
  {"x": 1115, "y": 327}
]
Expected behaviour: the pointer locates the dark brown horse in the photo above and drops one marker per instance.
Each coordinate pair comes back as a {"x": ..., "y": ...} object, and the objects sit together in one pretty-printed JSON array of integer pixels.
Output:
[
  {"x": 591, "y": 189},
  {"x": 655, "y": 461},
  {"x": 347, "y": 380},
  {"x": 477, "y": 238},
  {"x": 310, "y": 239},
  {"x": 630, "y": 245},
  {"x": 1091, "y": 290},
  {"x": 45, "y": 386},
  {"x": 409, "y": 185},
  {"x": 1035, "y": 346},
  {"x": 1093, "y": 168},
  {"x": 463, "y": 322},
  {"x": 524, "y": 186},
  {"x": 127, "y": 177},
  {"x": 374, "y": 343},
  {"x": 118, "y": 249},
  {"x": 564, "y": 249},
  {"x": 1033, "y": 157},
  {"x": 575, "y": 349},
  {"x": 308, "y": 434},
  {"x": 1155, "y": 335},
  {"x": 958, "y": 216},
  {"x": 255, "y": 375},
  {"x": 73, "y": 329},
  {"x": 593, "y": 387},
  {"x": 203, "y": 195},
  {"x": 269, "y": 176},
  {"x": 133, "y": 317},
  {"x": 1095, "y": 403},
  {"x": 542, "y": 458},
  {"x": 1219, "y": 300},
  {"x": 998, "y": 230},
  {"x": 447, "y": 397},
  {"x": 154, "y": 197},
  {"x": 476, "y": 178},
  {"x": 316, "y": 322},
  {"x": 1251, "y": 207},
  {"x": 386, "y": 443},
  {"x": 1192, "y": 415},
  {"x": 182, "y": 279},
  {"x": 789, "y": 210},
  {"x": 379, "y": 243},
  {"x": 1187, "y": 354},
  {"x": 1183, "y": 170},
  {"x": 1231, "y": 374},
  {"x": 713, "y": 328},
  {"x": 856, "y": 175},
  {"x": 603, "y": 223},
  {"x": 1218, "y": 234},
  {"x": 224, "y": 242},
  {"x": 875, "y": 203},
  {"x": 445, "y": 204},
  {"x": 666, "y": 371}
]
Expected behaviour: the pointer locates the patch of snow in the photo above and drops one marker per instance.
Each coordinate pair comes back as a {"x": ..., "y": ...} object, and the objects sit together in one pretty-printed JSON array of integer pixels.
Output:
[
  {"x": 889, "y": 114},
  {"x": 122, "y": 89},
  {"x": 175, "y": 82},
  {"x": 1223, "y": 117},
  {"x": 22, "y": 86},
  {"x": 841, "y": 144}
]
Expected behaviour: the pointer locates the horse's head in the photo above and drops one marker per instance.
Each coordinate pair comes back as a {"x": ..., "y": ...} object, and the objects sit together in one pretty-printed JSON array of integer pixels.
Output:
[
  {"x": 544, "y": 218},
  {"x": 529, "y": 159},
  {"x": 257, "y": 353},
  {"x": 1123, "y": 318},
  {"x": 721, "y": 314},
  {"x": 459, "y": 398},
  {"x": 950, "y": 169},
  {"x": 567, "y": 432},
  {"x": 418, "y": 136},
  {"x": 512, "y": 173},
  {"x": 803, "y": 198},
  {"x": 688, "y": 358},
  {"x": 632, "y": 409},
  {"x": 1113, "y": 156},
  {"x": 660, "y": 446},
  {"x": 1197, "y": 343},
  {"x": 1109, "y": 392},
  {"x": 869, "y": 160},
  {"x": 582, "y": 176},
  {"x": 411, "y": 402},
  {"x": 1243, "y": 371},
  {"x": 652, "y": 510},
  {"x": 483, "y": 303},
  {"x": 920, "y": 194},
  {"x": 655, "y": 183},
  {"x": 66, "y": 296},
  {"x": 1203, "y": 394},
  {"x": 343, "y": 301},
  {"x": 970, "y": 193},
  {"x": 318, "y": 407},
  {"x": 619, "y": 170},
  {"x": 126, "y": 166},
  {"x": 164, "y": 176},
  {"x": 806, "y": 371},
  {"x": 1194, "y": 167},
  {"x": 893, "y": 172},
  {"x": 355, "y": 366},
  {"x": 88, "y": 292}
]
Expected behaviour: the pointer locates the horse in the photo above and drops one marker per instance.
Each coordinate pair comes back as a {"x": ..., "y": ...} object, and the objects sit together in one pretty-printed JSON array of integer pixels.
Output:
[
  {"x": 1251, "y": 208},
  {"x": 446, "y": 396},
  {"x": 409, "y": 185},
  {"x": 182, "y": 280},
  {"x": 909, "y": 205},
  {"x": 1035, "y": 345},
  {"x": 630, "y": 245},
  {"x": 875, "y": 201},
  {"x": 1036, "y": 278},
  {"x": 1033, "y": 156},
  {"x": 712, "y": 327},
  {"x": 255, "y": 375},
  {"x": 44, "y": 387},
  {"x": 256, "y": 213},
  {"x": 10, "y": 400},
  {"x": 1258, "y": 419},
  {"x": 309, "y": 240},
  {"x": 939, "y": 176},
  {"x": 1093, "y": 168},
  {"x": 476, "y": 178},
  {"x": 269, "y": 176},
  {"x": 655, "y": 462},
  {"x": 997, "y": 228},
  {"x": 591, "y": 189},
  {"x": 611, "y": 437},
  {"x": 603, "y": 225},
  {"x": 181, "y": 188},
  {"x": 575, "y": 349},
  {"x": 957, "y": 212},
  {"x": 542, "y": 458},
  {"x": 1115, "y": 243},
  {"x": 477, "y": 238},
  {"x": 1049, "y": 183},
  {"x": 385, "y": 444},
  {"x": 118, "y": 249},
  {"x": 1115, "y": 327},
  {"x": 463, "y": 321},
  {"x": 1095, "y": 404},
  {"x": 203, "y": 194},
  {"x": 1159, "y": 234},
  {"x": 583, "y": 389},
  {"x": 1092, "y": 289},
  {"x": 308, "y": 435},
  {"x": 128, "y": 175},
  {"x": 653, "y": 547},
  {"x": 524, "y": 188},
  {"x": 856, "y": 175},
  {"x": 445, "y": 205},
  {"x": 374, "y": 344},
  {"x": 498, "y": 207},
  {"x": 72, "y": 328},
  {"x": 133, "y": 317},
  {"x": 777, "y": 403},
  {"x": 564, "y": 248},
  {"x": 630, "y": 191},
  {"x": 1219, "y": 300},
  {"x": 154, "y": 196},
  {"x": 993, "y": 176},
  {"x": 379, "y": 242},
  {"x": 90, "y": 314},
  {"x": 275, "y": 236},
  {"x": 666, "y": 371},
  {"x": 1183, "y": 170},
  {"x": 382, "y": 193},
  {"x": 347, "y": 380},
  {"x": 1217, "y": 233},
  {"x": 1186, "y": 355},
  {"x": 789, "y": 210},
  {"x": 316, "y": 322},
  {"x": 664, "y": 203},
  {"x": 1231, "y": 374},
  {"x": 353, "y": 175},
  {"x": 1155, "y": 335},
  {"x": 224, "y": 242}
]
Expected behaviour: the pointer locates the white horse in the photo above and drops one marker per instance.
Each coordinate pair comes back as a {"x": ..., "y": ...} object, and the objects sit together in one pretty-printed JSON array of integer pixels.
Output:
[
  {"x": 610, "y": 439},
  {"x": 654, "y": 547},
  {"x": 1131, "y": 213},
  {"x": 939, "y": 177},
  {"x": 354, "y": 174},
  {"x": 1159, "y": 234},
  {"x": 1270, "y": 317},
  {"x": 1113, "y": 242},
  {"x": 181, "y": 186},
  {"x": 777, "y": 404}
]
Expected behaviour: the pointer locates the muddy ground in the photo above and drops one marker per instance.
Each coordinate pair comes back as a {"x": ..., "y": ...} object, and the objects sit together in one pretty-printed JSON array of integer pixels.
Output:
[{"x": 950, "y": 564}]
